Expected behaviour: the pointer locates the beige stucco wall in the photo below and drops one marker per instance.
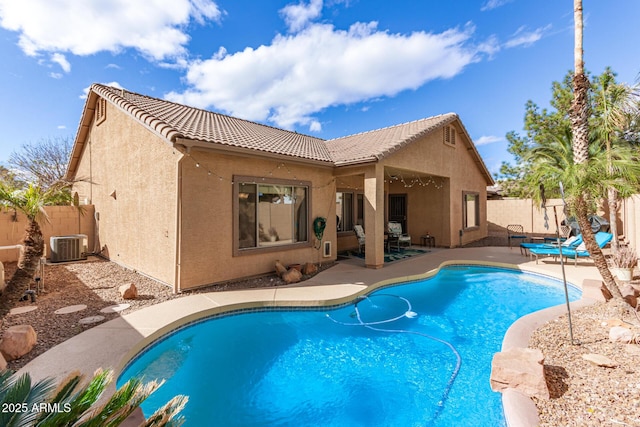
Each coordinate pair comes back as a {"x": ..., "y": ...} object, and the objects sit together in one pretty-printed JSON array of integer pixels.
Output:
[
  {"x": 137, "y": 225},
  {"x": 455, "y": 169},
  {"x": 62, "y": 221},
  {"x": 207, "y": 250}
]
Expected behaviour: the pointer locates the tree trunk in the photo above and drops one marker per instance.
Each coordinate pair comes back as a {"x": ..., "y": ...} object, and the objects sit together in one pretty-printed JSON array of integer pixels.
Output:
[
  {"x": 594, "y": 250},
  {"x": 612, "y": 201},
  {"x": 33, "y": 249},
  {"x": 580, "y": 104}
]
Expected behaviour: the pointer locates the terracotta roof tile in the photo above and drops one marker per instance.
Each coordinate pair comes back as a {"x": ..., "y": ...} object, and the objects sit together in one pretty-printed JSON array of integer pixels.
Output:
[
  {"x": 377, "y": 144},
  {"x": 174, "y": 121}
]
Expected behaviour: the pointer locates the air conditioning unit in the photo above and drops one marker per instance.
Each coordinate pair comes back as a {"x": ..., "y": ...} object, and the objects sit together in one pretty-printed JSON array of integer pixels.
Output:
[{"x": 68, "y": 248}]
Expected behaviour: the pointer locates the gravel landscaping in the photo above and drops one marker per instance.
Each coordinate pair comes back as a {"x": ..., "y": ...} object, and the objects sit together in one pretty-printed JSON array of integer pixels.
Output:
[{"x": 582, "y": 394}]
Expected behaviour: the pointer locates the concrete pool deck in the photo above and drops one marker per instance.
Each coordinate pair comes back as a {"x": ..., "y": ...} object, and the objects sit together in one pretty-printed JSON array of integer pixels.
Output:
[{"x": 113, "y": 343}]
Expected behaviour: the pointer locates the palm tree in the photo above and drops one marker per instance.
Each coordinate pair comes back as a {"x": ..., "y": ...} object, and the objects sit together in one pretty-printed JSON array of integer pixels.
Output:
[
  {"x": 580, "y": 131},
  {"x": 72, "y": 402},
  {"x": 618, "y": 108},
  {"x": 31, "y": 202}
]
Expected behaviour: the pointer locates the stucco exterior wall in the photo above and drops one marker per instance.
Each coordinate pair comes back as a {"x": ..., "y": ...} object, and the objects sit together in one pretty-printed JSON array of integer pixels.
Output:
[
  {"x": 207, "y": 246},
  {"x": 456, "y": 170},
  {"x": 131, "y": 178},
  {"x": 62, "y": 221}
]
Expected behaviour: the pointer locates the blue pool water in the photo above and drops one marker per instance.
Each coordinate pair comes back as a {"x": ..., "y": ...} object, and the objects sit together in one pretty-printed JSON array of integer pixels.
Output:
[{"x": 414, "y": 354}]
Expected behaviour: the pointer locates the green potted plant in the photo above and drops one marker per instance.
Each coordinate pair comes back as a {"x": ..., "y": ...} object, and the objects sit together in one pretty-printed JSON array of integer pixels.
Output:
[{"x": 623, "y": 262}]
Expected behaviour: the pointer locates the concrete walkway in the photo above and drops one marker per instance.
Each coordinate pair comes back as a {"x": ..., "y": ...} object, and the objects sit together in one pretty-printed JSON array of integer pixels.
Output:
[{"x": 114, "y": 343}]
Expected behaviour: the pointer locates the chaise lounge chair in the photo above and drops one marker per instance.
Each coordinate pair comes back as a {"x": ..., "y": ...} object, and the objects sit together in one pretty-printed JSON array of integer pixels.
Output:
[
  {"x": 602, "y": 239},
  {"x": 570, "y": 243}
]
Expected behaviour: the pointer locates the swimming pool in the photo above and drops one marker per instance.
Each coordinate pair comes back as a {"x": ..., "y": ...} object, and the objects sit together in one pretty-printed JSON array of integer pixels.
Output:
[{"x": 417, "y": 353}]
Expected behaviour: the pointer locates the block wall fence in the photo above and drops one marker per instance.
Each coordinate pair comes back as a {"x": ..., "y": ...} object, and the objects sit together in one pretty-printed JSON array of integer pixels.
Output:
[{"x": 62, "y": 221}]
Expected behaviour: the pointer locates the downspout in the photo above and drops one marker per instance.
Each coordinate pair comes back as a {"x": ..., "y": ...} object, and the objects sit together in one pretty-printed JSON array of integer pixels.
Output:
[{"x": 178, "y": 228}]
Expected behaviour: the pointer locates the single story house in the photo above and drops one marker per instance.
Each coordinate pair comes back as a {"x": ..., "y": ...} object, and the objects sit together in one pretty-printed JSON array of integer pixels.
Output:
[{"x": 192, "y": 197}]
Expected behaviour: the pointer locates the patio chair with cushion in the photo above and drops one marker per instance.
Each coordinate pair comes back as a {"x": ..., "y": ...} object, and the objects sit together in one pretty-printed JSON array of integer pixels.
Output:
[
  {"x": 602, "y": 239},
  {"x": 360, "y": 235},
  {"x": 396, "y": 237},
  {"x": 515, "y": 231}
]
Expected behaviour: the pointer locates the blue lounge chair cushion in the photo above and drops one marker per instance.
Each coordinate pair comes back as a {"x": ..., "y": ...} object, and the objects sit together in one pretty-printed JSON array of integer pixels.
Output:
[
  {"x": 571, "y": 242},
  {"x": 602, "y": 239}
]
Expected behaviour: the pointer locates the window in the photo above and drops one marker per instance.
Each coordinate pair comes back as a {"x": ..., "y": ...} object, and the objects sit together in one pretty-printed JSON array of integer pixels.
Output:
[
  {"x": 471, "y": 210},
  {"x": 101, "y": 110},
  {"x": 344, "y": 211},
  {"x": 449, "y": 135},
  {"x": 271, "y": 214}
]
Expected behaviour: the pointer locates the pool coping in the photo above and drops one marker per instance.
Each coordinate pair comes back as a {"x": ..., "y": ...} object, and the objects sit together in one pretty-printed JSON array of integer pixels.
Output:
[{"x": 116, "y": 342}]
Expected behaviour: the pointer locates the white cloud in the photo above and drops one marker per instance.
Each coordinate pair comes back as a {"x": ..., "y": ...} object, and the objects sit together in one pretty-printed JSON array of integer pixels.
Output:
[
  {"x": 62, "y": 127},
  {"x": 487, "y": 139},
  {"x": 525, "y": 38},
  {"x": 61, "y": 60},
  {"x": 494, "y": 4},
  {"x": 56, "y": 76},
  {"x": 297, "y": 16},
  {"x": 298, "y": 75},
  {"x": 156, "y": 28}
]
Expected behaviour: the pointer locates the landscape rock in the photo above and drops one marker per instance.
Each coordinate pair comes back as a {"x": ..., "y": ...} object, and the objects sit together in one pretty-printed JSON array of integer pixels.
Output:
[
  {"x": 292, "y": 276},
  {"x": 310, "y": 268},
  {"x": 520, "y": 369},
  {"x": 3, "y": 363},
  {"x": 620, "y": 334},
  {"x": 280, "y": 269},
  {"x": 599, "y": 360},
  {"x": 630, "y": 295},
  {"x": 17, "y": 341},
  {"x": 128, "y": 291}
]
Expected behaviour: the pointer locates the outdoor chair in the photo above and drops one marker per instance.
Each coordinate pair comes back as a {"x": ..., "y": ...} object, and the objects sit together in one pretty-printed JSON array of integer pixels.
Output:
[
  {"x": 360, "y": 235},
  {"x": 396, "y": 236},
  {"x": 602, "y": 239},
  {"x": 570, "y": 243},
  {"x": 515, "y": 231}
]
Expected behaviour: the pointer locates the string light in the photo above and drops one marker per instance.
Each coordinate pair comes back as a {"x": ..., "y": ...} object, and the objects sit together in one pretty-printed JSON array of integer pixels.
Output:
[{"x": 407, "y": 182}]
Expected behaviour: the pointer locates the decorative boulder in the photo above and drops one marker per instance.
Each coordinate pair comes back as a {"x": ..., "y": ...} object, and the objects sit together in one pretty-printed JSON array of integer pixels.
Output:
[
  {"x": 630, "y": 295},
  {"x": 620, "y": 334},
  {"x": 17, "y": 341},
  {"x": 128, "y": 291},
  {"x": 292, "y": 276},
  {"x": 520, "y": 369},
  {"x": 3, "y": 363},
  {"x": 310, "y": 268},
  {"x": 280, "y": 269}
]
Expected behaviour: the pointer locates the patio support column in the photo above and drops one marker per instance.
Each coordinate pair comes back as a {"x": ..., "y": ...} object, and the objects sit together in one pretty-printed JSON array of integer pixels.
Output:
[{"x": 374, "y": 216}]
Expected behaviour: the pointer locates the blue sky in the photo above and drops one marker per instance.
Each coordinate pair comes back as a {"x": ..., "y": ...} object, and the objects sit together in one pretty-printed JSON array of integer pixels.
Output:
[{"x": 325, "y": 68}]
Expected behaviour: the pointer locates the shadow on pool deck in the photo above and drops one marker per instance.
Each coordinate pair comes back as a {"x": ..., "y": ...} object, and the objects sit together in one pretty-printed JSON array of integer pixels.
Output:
[{"x": 113, "y": 343}]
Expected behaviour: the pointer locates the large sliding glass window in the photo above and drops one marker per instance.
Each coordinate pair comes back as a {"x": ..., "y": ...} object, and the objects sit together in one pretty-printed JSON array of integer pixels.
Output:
[{"x": 271, "y": 214}]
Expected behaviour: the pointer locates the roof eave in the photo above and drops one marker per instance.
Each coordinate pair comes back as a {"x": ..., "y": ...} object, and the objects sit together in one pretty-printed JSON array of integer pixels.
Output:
[
  {"x": 81, "y": 135},
  {"x": 190, "y": 144}
]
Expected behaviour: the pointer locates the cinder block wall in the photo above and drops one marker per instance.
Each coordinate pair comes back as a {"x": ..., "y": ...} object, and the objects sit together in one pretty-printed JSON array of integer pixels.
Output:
[
  {"x": 525, "y": 212},
  {"x": 62, "y": 221}
]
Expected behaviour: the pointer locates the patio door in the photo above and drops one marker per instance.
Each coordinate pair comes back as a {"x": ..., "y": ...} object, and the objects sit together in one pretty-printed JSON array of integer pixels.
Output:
[{"x": 398, "y": 209}]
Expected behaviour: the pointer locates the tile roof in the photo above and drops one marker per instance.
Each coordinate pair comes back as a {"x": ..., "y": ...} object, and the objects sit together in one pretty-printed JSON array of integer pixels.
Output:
[
  {"x": 173, "y": 121},
  {"x": 176, "y": 121},
  {"x": 377, "y": 144}
]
